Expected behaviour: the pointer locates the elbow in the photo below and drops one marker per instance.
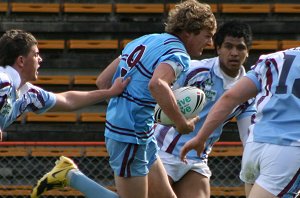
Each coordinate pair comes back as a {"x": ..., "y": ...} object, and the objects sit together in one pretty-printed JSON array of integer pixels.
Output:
[
  {"x": 101, "y": 84},
  {"x": 153, "y": 85}
]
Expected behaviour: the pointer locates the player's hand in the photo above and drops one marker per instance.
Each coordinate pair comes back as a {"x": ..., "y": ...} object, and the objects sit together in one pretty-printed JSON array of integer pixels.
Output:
[
  {"x": 189, "y": 126},
  {"x": 119, "y": 85},
  {"x": 194, "y": 143}
]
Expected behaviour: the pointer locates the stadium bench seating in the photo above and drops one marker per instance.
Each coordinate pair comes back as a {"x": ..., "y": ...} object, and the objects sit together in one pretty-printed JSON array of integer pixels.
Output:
[
  {"x": 52, "y": 80},
  {"x": 51, "y": 117},
  {"x": 51, "y": 44},
  {"x": 84, "y": 80},
  {"x": 244, "y": 8},
  {"x": 92, "y": 117},
  {"x": 213, "y": 6},
  {"x": 93, "y": 44},
  {"x": 286, "y": 8},
  {"x": 87, "y": 8},
  {"x": 265, "y": 45},
  {"x": 235, "y": 191},
  {"x": 3, "y": 7},
  {"x": 36, "y": 7},
  {"x": 286, "y": 44},
  {"x": 139, "y": 8},
  {"x": 56, "y": 151}
]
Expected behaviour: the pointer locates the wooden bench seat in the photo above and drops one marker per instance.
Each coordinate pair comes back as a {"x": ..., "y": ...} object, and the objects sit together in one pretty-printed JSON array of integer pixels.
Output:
[
  {"x": 286, "y": 8},
  {"x": 93, "y": 44},
  {"x": 36, "y": 7},
  {"x": 13, "y": 151},
  {"x": 52, "y": 80},
  {"x": 286, "y": 44},
  {"x": 244, "y": 8},
  {"x": 51, "y": 117},
  {"x": 265, "y": 45},
  {"x": 87, "y": 8},
  {"x": 3, "y": 7},
  {"x": 51, "y": 44},
  {"x": 85, "y": 80},
  {"x": 92, "y": 117},
  {"x": 213, "y": 7},
  {"x": 228, "y": 191},
  {"x": 222, "y": 151},
  {"x": 56, "y": 151},
  {"x": 95, "y": 152},
  {"x": 139, "y": 8}
]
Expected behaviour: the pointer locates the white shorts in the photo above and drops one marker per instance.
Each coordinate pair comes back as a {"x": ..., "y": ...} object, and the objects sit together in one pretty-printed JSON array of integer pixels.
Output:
[
  {"x": 273, "y": 167},
  {"x": 176, "y": 168}
]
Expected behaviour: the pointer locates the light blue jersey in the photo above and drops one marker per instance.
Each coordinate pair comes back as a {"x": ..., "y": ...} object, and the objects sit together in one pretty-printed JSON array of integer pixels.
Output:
[
  {"x": 28, "y": 98},
  {"x": 206, "y": 75},
  {"x": 130, "y": 115},
  {"x": 277, "y": 78}
]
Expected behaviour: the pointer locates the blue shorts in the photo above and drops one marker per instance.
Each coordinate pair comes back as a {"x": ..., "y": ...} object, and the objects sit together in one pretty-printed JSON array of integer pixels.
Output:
[{"x": 129, "y": 160}]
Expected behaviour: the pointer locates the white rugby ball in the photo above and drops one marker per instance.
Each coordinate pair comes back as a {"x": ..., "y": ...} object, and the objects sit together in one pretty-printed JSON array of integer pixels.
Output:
[{"x": 190, "y": 101}]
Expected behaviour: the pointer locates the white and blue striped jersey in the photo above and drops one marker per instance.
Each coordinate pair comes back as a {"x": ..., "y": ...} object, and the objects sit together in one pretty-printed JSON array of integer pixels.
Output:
[
  {"x": 277, "y": 78},
  {"x": 28, "y": 98},
  {"x": 129, "y": 117},
  {"x": 206, "y": 75}
]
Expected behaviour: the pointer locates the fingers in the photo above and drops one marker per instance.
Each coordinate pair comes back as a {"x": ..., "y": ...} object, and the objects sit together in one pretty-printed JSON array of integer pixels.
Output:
[
  {"x": 196, "y": 119},
  {"x": 126, "y": 81},
  {"x": 183, "y": 153}
]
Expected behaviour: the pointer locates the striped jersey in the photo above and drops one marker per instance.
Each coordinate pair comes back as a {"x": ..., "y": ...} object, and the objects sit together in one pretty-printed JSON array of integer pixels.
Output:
[
  {"x": 28, "y": 98},
  {"x": 277, "y": 78},
  {"x": 129, "y": 116},
  {"x": 206, "y": 75}
]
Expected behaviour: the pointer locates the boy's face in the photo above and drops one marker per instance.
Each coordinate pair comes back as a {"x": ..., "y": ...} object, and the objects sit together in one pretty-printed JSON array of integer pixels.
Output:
[
  {"x": 232, "y": 54},
  {"x": 31, "y": 63},
  {"x": 195, "y": 43}
]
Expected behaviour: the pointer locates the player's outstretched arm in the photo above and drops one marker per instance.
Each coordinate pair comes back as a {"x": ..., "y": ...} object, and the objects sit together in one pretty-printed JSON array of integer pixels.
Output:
[
  {"x": 241, "y": 92},
  {"x": 73, "y": 100}
]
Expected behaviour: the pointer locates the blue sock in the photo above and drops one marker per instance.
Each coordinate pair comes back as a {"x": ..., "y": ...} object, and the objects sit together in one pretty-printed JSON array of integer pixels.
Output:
[{"x": 88, "y": 187}]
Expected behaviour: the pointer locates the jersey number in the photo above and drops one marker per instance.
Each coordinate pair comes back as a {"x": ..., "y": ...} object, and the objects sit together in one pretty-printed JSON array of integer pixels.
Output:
[
  {"x": 282, "y": 87},
  {"x": 133, "y": 58}
]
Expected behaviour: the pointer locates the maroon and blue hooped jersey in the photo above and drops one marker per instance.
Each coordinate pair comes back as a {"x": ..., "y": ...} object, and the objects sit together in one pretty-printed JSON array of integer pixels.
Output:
[
  {"x": 277, "y": 78},
  {"x": 130, "y": 115},
  {"x": 28, "y": 98}
]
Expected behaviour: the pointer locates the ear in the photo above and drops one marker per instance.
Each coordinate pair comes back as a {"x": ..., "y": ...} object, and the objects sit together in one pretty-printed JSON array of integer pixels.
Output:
[
  {"x": 218, "y": 50},
  {"x": 20, "y": 61}
]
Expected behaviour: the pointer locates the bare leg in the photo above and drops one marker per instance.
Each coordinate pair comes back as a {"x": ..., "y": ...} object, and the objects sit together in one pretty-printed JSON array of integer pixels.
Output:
[
  {"x": 248, "y": 188},
  {"x": 159, "y": 185},
  {"x": 192, "y": 184},
  {"x": 132, "y": 187},
  {"x": 259, "y": 192}
]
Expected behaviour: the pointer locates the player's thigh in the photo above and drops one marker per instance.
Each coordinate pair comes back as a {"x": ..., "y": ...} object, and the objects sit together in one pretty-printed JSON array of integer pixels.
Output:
[
  {"x": 272, "y": 167},
  {"x": 248, "y": 188},
  {"x": 132, "y": 187},
  {"x": 192, "y": 184},
  {"x": 259, "y": 192},
  {"x": 158, "y": 181}
]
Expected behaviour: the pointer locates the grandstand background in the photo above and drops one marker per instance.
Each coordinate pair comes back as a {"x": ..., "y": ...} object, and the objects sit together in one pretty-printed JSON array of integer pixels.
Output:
[{"x": 78, "y": 39}]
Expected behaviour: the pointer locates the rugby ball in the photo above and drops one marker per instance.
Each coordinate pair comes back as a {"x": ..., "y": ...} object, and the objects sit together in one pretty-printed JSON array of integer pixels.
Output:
[{"x": 190, "y": 101}]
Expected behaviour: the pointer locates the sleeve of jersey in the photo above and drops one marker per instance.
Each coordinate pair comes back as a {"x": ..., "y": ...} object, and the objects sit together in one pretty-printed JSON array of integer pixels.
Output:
[
  {"x": 38, "y": 100},
  {"x": 178, "y": 61},
  {"x": 5, "y": 86},
  {"x": 248, "y": 109},
  {"x": 254, "y": 77}
]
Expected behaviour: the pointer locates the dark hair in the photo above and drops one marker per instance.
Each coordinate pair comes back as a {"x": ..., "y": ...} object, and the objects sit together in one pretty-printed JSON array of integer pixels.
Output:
[
  {"x": 14, "y": 43},
  {"x": 236, "y": 29}
]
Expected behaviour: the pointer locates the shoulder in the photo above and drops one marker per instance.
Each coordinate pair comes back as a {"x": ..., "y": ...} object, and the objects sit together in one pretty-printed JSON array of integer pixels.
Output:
[{"x": 5, "y": 82}]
